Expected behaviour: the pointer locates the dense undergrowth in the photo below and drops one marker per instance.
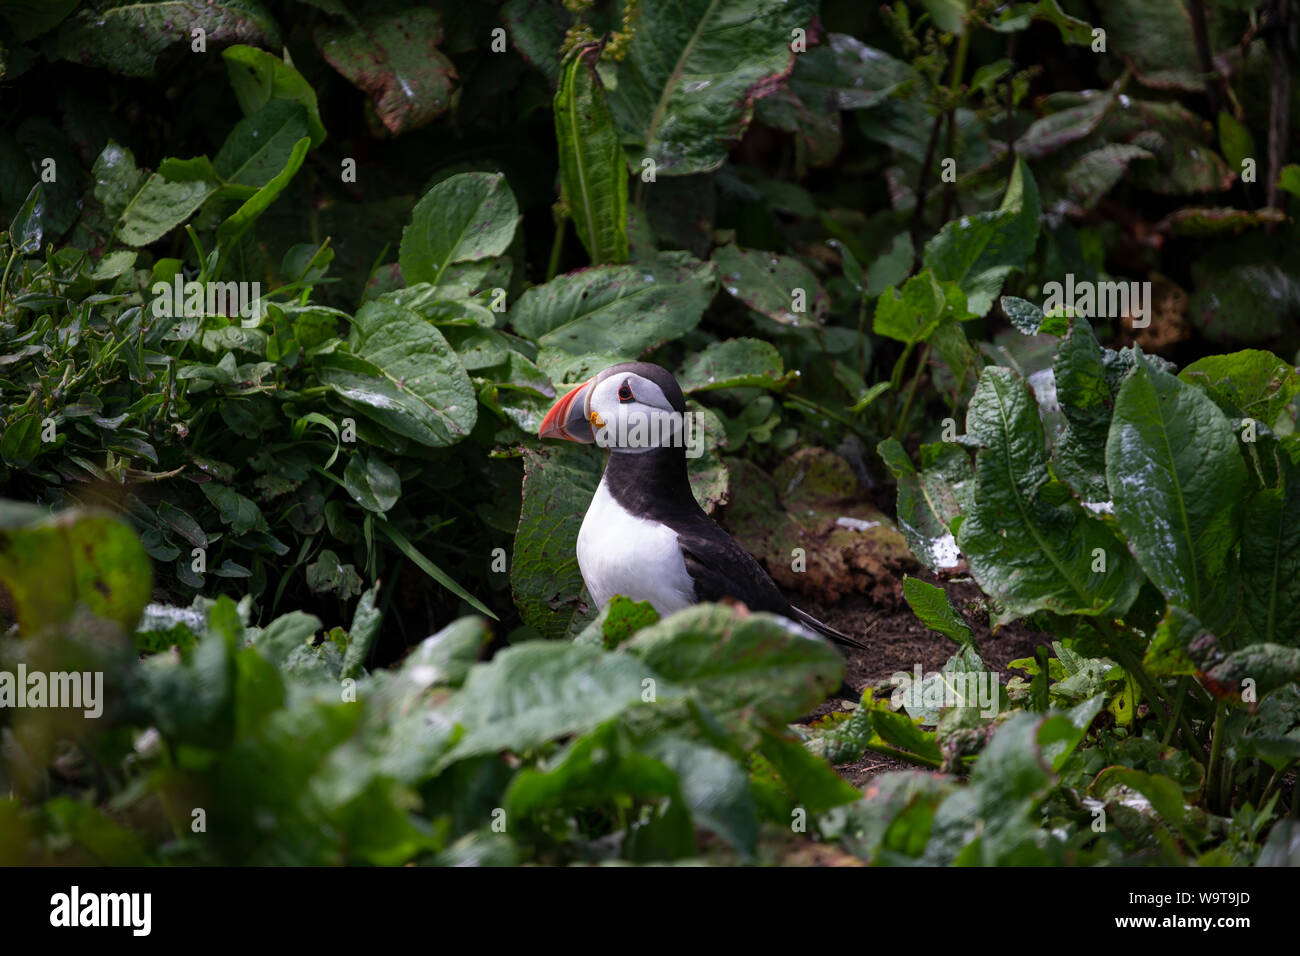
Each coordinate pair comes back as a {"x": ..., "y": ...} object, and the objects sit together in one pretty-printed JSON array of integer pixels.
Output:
[{"x": 288, "y": 288}]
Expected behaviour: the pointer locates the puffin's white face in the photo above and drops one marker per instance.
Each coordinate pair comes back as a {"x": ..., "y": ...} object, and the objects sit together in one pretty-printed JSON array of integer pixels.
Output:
[
  {"x": 628, "y": 409},
  {"x": 629, "y": 413}
]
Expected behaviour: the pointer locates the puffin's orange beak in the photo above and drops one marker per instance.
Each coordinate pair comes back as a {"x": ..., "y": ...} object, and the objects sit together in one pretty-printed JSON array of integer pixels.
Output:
[{"x": 568, "y": 418}]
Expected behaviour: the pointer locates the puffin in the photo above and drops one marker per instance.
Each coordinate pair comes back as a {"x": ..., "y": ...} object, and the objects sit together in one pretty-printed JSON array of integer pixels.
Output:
[{"x": 644, "y": 535}]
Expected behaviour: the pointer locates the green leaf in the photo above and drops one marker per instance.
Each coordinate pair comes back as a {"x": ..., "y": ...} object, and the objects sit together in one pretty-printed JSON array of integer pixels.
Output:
[
  {"x": 687, "y": 84},
  {"x": 1024, "y": 315},
  {"x": 559, "y": 481},
  {"x": 532, "y": 693},
  {"x": 242, "y": 219},
  {"x": 464, "y": 218},
  {"x": 144, "y": 208},
  {"x": 1178, "y": 481},
  {"x": 912, "y": 315},
  {"x": 1083, "y": 392},
  {"x": 734, "y": 363},
  {"x": 1270, "y": 561},
  {"x": 810, "y": 781},
  {"x": 405, "y": 376},
  {"x": 843, "y": 73},
  {"x": 21, "y": 444},
  {"x": 1235, "y": 141},
  {"x": 978, "y": 252},
  {"x": 25, "y": 229},
  {"x": 621, "y": 310},
  {"x": 1157, "y": 42},
  {"x": 747, "y": 668},
  {"x": 1247, "y": 384},
  {"x": 593, "y": 771},
  {"x": 1289, "y": 179},
  {"x": 366, "y": 620},
  {"x": 618, "y": 620},
  {"x": 928, "y": 503},
  {"x": 240, "y": 513},
  {"x": 394, "y": 58},
  {"x": 1030, "y": 550},
  {"x": 371, "y": 482},
  {"x": 714, "y": 788},
  {"x": 260, "y": 145},
  {"x": 948, "y": 15},
  {"x": 259, "y": 77},
  {"x": 50, "y": 564},
  {"x": 593, "y": 171},
  {"x": 127, "y": 37},
  {"x": 429, "y": 568},
  {"x": 892, "y": 268},
  {"x": 445, "y": 658},
  {"x": 780, "y": 287},
  {"x": 932, "y": 607}
]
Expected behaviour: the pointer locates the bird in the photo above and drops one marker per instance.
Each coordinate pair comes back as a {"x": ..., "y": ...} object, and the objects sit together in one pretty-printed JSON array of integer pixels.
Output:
[{"x": 644, "y": 535}]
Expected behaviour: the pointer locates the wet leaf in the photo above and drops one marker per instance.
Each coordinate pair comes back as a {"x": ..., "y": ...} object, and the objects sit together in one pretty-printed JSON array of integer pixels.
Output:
[
  {"x": 780, "y": 287},
  {"x": 687, "y": 86},
  {"x": 394, "y": 58},
  {"x": 1178, "y": 481},
  {"x": 593, "y": 171}
]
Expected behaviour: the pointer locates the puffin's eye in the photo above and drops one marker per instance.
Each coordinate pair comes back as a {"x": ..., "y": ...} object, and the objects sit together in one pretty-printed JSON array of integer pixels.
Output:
[{"x": 625, "y": 393}]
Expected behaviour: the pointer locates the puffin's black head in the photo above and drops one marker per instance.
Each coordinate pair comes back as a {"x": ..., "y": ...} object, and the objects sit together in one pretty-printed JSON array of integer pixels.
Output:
[{"x": 633, "y": 406}]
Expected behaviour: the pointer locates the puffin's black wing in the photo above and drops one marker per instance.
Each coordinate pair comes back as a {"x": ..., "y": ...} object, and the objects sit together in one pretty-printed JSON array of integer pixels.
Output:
[{"x": 721, "y": 568}]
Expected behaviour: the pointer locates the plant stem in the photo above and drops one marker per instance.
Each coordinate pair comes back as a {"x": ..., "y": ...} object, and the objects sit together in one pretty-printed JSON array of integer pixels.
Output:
[
  {"x": 954, "y": 81},
  {"x": 4, "y": 283},
  {"x": 1181, "y": 694},
  {"x": 822, "y": 410},
  {"x": 901, "y": 424},
  {"x": 553, "y": 264},
  {"x": 1214, "y": 770},
  {"x": 885, "y": 751},
  {"x": 1274, "y": 781}
]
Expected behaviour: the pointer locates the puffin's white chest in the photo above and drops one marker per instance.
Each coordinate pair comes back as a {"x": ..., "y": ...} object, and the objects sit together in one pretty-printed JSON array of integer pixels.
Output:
[{"x": 620, "y": 553}]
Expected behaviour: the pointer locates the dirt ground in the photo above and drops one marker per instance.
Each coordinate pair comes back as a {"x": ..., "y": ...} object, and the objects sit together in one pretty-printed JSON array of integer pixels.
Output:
[{"x": 897, "y": 641}]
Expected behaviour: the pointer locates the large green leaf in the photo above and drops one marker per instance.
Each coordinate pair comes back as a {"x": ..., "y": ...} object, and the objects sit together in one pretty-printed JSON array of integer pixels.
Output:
[
  {"x": 531, "y": 694},
  {"x": 734, "y": 363},
  {"x": 127, "y": 37},
  {"x": 745, "y": 667},
  {"x": 1270, "y": 561},
  {"x": 780, "y": 287},
  {"x": 621, "y": 310},
  {"x": 1029, "y": 544},
  {"x": 144, "y": 208},
  {"x": 978, "y": 252},
  {"x": 393, "y": 57},
  {"x": 242, "y": 219},
  {"x": 991, "y": 821},
  {"x": 465, "y": 218},
  {"x": 928, "y": 501},
  {"x": 260, "y": 145},
  {"x": 50, "y": 564},
  {"x": 912, "y": 315},
  {"x": 559, "y": 480},
  {"x": 843, "y": 73},
  {"x": 593, "y": 171},
  {"x": 1247, "y": 384},
  {"x": 687, "y": 85},
  {"x": 259, "y": 77},
  {"x": 594, "y": 770},
  {"x": 934, "y": 609},
  {"x": 405, "y": 376},
  {"x": 1177, "y": 480},
  {"x": 1079, "y": 457}
]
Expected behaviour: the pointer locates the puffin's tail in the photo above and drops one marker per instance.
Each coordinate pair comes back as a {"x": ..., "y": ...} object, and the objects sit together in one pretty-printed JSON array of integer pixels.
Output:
[{"x": 839, "y": 637}]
